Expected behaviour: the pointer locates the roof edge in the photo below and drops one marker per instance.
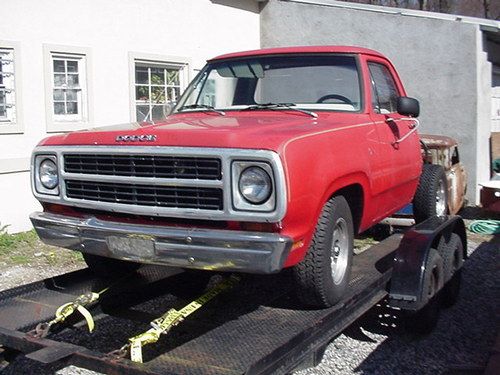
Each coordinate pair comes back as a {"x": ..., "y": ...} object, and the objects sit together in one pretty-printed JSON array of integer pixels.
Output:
[
  {"x": 300, "y": 50},
  {"x": 401, "y": 11}
]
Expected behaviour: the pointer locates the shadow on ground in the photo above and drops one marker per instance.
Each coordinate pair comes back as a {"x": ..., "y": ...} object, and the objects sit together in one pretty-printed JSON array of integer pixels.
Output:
[{"x": 462, "y": 339}]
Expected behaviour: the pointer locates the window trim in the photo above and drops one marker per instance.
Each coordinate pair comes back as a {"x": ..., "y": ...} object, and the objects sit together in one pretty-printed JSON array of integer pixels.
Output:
[
  {"x": 57, "y": 125},
  {"x": 17, "y": 126},
  {"x": 161, "y": 60}
]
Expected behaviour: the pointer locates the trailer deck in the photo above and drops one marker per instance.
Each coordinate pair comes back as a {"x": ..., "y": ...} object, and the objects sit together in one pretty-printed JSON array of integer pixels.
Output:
[{"x": 256, "y": 328}]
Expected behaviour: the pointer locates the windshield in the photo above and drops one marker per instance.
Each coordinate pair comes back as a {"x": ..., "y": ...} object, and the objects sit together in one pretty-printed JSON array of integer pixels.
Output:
[{"x": 317, "y": 82}]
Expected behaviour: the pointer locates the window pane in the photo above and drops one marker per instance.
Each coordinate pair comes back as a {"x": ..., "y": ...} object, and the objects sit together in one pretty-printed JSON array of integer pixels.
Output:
[
  {"x": 385, "y": 88},
  {"x": 3, "y": 111},
  {"x": 158, "y": 94},
  {"x": 72, "y": 108},
  {"x": 59, "y": 108},
  {"x": 173, "y": 77},
  {"x": 142, "y": 111},
  {"x": 72, "y": 66},
  {"x": 59, "y": 66},
  {"x": 71, "y": 95},
  {"x": 58, "y": 94},
  {"x": 157, "y": 76},
  {"x": 141, "y": 93},
  {"x": 73, "y": 80},
  {"x": 173, "y": 93},
  {"x": 59, "y": 79},
  {"x": 141, "y": 74},
  {"x": 2, "y": 97},
  {"x": 158, "y": 112}
]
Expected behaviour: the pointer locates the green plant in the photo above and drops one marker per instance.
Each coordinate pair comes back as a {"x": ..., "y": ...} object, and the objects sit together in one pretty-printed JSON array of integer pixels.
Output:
[{"x": 8, "y": 242}]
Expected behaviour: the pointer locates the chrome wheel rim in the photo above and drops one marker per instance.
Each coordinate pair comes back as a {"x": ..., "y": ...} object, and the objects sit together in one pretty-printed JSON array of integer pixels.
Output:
[
  {"x": 441, "y": 199},
  {"x": 340, "y": 251}
]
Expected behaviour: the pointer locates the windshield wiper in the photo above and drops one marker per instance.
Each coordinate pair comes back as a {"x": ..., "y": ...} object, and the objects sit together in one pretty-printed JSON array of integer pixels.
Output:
[
  {"x": 205, "y": 107},
  {"x": 290, "y": 106}
]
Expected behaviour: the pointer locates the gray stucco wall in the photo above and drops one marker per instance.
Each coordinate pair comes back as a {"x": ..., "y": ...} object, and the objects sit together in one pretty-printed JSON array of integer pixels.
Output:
[{"x": 437, "y": 60}]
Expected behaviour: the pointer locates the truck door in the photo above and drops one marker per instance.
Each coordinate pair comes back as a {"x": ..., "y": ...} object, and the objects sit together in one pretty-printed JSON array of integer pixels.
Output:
[{"x": 399, "y": 163}]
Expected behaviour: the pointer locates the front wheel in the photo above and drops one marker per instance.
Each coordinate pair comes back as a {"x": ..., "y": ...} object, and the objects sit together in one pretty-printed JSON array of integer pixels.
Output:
[{"x": 323, "y": 275}]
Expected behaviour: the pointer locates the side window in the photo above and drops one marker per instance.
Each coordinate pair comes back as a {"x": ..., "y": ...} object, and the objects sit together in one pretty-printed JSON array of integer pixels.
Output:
[
  {"x": 385, "y": 92},
  {"x": 69, "y": 92},
  {"x": 454, "y": 156},
  {"x": 156, "y": 84},
  {"x": 7, "y": 87}
]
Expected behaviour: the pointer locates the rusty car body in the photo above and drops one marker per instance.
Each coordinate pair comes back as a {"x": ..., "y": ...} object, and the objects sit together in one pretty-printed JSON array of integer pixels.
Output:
[{"x": 443, "y": 150}]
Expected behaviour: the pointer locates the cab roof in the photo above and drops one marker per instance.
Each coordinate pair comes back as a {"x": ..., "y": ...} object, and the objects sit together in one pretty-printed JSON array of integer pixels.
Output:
[{"x": 300, "y": 50}]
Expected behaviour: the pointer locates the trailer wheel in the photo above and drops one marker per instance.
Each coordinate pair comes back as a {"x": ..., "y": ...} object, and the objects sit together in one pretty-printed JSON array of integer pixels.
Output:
[
  {"x": 453, "y": 258},
  {"x": 431, "y": 197},
  {"x": 323, "y": 275},
  {"x": 109, "y": 267},
  {"x": 425, "y": 319}
]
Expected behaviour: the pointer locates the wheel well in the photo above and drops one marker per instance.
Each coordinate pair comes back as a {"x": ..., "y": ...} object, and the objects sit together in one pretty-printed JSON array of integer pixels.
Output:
[{"x": 355, "y": 198}]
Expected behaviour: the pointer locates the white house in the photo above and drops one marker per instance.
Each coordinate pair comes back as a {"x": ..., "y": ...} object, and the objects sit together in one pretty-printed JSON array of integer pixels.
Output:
[{"x": 67, "y": 65}]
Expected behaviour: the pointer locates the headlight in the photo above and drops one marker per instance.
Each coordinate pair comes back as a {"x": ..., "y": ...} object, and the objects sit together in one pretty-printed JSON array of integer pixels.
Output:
[
  {"x": 45, "y": 175},
  {"x": 48, "y": 174},
  {"x": 255, "y": 185}
]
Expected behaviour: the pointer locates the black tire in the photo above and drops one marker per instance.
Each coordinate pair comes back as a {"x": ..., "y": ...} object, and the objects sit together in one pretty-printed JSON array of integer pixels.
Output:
[
  {"x": 316, "y": 284},
  {"x": 453, "y": 258},
  {"x": 109, "y": 267},
  {"x": 431, "y": 197},
  {"x": 424, "y": 320}
]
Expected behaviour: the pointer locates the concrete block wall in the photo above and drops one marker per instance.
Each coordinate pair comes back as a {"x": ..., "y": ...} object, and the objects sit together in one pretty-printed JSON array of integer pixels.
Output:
[{"x": 441, "y": 63}]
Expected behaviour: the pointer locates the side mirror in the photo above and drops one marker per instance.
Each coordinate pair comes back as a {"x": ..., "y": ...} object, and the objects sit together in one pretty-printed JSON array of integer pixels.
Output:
[{"x": 408, "y": 106}]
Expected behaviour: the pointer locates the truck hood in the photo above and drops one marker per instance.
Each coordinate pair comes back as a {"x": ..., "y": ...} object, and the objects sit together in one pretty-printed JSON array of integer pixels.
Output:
[{"x": 253, "y": 130}]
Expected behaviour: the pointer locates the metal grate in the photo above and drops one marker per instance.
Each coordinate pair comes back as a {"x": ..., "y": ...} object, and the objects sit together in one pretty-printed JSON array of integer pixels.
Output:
[
  {"x": 146, "y": 195},
  {"x": 144, "y": 166}
]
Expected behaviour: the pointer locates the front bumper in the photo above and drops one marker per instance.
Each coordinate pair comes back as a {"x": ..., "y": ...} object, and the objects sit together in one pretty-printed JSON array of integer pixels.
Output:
[{"x": 219, "y": 250}]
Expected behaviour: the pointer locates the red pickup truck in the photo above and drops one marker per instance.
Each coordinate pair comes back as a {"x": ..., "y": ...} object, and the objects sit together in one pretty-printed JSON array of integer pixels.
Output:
[{"x": 271, "y": 159}]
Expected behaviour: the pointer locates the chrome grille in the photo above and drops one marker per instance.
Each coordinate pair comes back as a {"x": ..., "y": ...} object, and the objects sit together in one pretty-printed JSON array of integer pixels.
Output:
[
  {"x": 146, "y": 195},
  {"x": 187, "y": 194},
  {"x": 155, "y": 166}
]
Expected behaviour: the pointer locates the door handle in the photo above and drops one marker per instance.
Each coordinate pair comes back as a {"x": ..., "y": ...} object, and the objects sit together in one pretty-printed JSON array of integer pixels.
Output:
[{"x": 414, "y": 126}]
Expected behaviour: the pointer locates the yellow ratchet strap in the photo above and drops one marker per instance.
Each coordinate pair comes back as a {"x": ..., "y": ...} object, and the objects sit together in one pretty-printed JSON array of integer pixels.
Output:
[
  {"x": 79, "y": 304},
  {"x": 172, "y": 318},
  {"x": 66, "y": 310}
]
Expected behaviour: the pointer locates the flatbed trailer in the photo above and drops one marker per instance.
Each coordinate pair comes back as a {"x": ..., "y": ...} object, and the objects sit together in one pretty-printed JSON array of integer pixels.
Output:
[{"x": 258, "y": 327}]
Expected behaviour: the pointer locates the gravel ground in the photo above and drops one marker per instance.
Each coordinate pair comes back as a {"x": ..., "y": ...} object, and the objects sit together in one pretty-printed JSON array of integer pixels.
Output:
[
  {"x": 462, "y": 339},
  {"x": 377, "y": 344},
  {"x": 19, "y": 275}
]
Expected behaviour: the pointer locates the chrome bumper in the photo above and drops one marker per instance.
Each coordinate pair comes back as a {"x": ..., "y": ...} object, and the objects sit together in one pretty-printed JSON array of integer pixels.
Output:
[{"x": 219, "y": 250}]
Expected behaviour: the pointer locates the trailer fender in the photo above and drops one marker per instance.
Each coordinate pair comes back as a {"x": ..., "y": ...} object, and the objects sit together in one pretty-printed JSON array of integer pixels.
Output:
[{"x": 406, "y": 287}]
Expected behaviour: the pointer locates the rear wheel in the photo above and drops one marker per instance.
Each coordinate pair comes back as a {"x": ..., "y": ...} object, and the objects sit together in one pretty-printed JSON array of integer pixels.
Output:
[
  {"x": 425, "y": 319},
  {"x": 453, "y": 258},
  {"x": 109, "y": 267},
  {"x": 431, "y": 196},
  {"x": 322, "y": 277}
]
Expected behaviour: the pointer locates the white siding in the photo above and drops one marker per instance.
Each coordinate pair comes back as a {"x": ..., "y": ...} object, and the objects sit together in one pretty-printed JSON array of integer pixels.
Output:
[{"x": 110, "y": 30}]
